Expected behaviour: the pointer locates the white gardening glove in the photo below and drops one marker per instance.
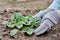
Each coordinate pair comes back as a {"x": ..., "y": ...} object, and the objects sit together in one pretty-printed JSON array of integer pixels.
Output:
[
  {"x": 42, "y": 13},
  {"x": 48, "y": 20}
]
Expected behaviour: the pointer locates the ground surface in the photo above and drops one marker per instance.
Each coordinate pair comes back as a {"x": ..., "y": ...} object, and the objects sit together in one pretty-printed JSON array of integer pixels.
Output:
[
  {"x": 52, "y": 34},
  {"x": 23, "y": 5}
]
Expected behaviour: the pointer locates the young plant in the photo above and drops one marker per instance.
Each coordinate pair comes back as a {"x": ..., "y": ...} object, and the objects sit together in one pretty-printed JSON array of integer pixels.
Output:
[{"x": 25, "y": 24}]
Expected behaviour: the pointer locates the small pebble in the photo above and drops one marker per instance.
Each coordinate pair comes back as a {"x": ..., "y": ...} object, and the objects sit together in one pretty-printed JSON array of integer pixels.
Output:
[
  {"x": 16, "y": 36},
  {"x": 59, "y": 34},
  {"x": 55, "y": 35},
  {"x": 4, "y": 30},
  {"x": 1, "y": 37},
  {"x": 0, "y": 16}
]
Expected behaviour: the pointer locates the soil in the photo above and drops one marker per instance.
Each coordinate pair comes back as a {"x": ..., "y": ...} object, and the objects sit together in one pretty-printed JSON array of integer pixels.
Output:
[
  {"x": 51, "y": 34},
  {"x": 24, "y": 4}
]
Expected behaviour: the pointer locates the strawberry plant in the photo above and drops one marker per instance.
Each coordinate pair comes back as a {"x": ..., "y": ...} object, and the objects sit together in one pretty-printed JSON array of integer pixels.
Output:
[{"x": 25, "y": 24}]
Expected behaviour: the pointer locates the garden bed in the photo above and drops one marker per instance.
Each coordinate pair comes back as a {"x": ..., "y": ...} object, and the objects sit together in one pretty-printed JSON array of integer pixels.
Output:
[{"x": 51, "y": 34}]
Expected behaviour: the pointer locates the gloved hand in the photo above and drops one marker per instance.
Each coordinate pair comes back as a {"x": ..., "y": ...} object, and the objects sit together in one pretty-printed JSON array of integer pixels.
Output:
[
  {"x": 48, "y": 20},
  {"x": 42, "y": 13}
]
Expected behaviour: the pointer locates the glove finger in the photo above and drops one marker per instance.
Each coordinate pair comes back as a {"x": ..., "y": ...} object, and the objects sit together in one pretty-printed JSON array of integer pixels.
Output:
[{"x": 43, "y": 27}]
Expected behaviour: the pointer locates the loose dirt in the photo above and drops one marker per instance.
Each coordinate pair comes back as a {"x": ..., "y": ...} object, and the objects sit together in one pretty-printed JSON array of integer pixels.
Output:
[
  {"x": 51, "y": 34},
  {"x": 24, "y": 4}
]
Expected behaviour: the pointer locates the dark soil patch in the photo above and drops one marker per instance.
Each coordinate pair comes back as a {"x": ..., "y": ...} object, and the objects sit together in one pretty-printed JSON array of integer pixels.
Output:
[{"x": 51, "y": 34}]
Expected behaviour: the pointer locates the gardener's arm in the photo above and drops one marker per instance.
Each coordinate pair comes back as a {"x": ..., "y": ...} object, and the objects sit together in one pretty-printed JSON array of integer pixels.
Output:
[
  {"x": 48, "y": 20},
  {"x": 54, "y": 6}
]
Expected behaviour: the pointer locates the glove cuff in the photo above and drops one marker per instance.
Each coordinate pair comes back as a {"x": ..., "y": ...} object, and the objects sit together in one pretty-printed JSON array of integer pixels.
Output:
[{"x": 55, "y": 5}]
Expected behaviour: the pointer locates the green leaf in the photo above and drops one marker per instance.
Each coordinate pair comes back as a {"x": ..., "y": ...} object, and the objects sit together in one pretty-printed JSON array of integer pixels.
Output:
[
  {"x": 19, "y": 26},
  {"x": 30, "y": 31},
  {"x": 13, "y": 32},
  {"x": 11, "y": 25},
  {"x": 28, "y": 17},
  {"x": 13, "y": 22},
  {"x": 13, "y": 17},
  {"x": 21, "y": 22},
  {"x": 17, "y": 17},
  {"x": 24, "y": 29},
  {"x": 5, "y": 22},
  {"x": 28, "y": 23}
]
